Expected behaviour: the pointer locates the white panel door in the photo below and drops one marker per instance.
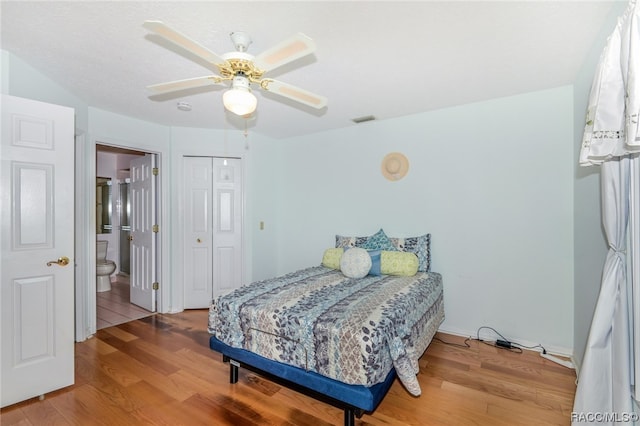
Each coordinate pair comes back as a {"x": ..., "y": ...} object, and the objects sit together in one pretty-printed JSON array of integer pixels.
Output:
[
  {"x": 198, "y": 261},
  {"x": 227, "y": 225},
  {"x": 143, "y": 235},
  {"x": 213, "y": 228},
  {"x": 37, "y": 220}
]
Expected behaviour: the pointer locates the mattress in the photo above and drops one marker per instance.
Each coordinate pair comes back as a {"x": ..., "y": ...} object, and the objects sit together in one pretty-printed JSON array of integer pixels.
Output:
[{"x": 351, "y": 330}]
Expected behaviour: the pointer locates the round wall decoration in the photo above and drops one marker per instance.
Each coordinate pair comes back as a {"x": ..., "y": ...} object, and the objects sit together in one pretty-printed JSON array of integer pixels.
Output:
[{"x": 394, "y": 166}]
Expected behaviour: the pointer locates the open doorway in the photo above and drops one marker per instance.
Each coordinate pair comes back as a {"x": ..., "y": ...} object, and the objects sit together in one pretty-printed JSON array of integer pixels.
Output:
[{"x": 114, "y": 236}]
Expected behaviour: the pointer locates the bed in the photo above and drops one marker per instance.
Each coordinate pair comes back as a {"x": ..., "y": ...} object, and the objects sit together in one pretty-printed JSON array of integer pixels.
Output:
[{"x": 337, "y": 335}]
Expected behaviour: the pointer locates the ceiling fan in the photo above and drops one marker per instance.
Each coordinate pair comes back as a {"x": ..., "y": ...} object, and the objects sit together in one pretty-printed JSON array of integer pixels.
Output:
[{"x": 241, "y": 69}]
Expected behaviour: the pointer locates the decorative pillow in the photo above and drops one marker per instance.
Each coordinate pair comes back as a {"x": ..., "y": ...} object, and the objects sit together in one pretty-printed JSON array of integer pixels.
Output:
[
  {"x": 375, "y": 262},
  {"x": 398, "y": 263},
  {"x": 420, "y": 246},
  {"x": 355, "y": 263},
  {"x": 342, "y": 241},
  {"x": 331, "y": 257},
  {"x": 378, "y": 241}
]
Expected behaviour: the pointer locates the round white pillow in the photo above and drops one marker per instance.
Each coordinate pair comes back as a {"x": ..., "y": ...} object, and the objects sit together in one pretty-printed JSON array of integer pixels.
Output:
[{"x": 355, "y": 262}]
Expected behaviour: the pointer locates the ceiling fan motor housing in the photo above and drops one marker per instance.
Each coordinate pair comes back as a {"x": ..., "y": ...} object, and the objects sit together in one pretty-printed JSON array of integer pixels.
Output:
[
  {"x": 240, "y": 40},
  {"x": 239, "y": 63}
]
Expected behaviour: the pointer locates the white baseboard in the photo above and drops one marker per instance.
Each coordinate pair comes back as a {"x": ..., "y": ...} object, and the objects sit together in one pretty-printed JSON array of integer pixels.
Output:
[{"x": 552, "y": 350}]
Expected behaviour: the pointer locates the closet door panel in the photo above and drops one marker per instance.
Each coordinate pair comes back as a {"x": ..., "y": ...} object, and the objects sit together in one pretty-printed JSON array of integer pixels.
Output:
[
  {"x": 198, "y": 277},
  {"x": 227, "y": 235}
]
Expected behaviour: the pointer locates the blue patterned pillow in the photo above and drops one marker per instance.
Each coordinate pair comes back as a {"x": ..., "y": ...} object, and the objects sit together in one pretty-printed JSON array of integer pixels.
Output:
[
  {"x": 420, "y": 246},
  {"x": 348, "y": 242},
  {"x": 378, "y": 241}
]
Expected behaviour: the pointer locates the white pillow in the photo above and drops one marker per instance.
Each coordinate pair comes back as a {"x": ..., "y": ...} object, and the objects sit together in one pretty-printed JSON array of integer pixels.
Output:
[{"x": 355, "y": 263}]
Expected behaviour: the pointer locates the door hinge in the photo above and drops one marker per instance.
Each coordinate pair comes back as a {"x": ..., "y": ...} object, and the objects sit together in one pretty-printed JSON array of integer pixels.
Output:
[
  {"x": 155, "y": 171},
  {"x": 155, "y": 228},
  {"x": 156, "y": 286}
]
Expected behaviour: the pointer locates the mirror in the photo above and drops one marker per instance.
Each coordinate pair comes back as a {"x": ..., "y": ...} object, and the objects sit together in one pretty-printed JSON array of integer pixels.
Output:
[{"x": 103, "y": 205}]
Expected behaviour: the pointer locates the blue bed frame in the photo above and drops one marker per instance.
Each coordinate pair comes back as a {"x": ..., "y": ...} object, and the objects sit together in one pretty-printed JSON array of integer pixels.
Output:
[{"x": 355, "y": 400}]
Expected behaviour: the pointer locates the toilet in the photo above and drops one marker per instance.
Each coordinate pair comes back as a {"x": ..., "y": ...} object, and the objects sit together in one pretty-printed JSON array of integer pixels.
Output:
[{"x": 104, "y": 267}]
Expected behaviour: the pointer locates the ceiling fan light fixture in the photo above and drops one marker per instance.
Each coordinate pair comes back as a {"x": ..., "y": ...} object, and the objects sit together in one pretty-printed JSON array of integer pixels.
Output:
[
  {"x": 240, "y": 67},
  {"x": 239, "y": 99}
]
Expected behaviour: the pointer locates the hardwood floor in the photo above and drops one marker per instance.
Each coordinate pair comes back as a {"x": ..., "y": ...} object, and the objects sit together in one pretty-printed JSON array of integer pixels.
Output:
[
  {"x": 113, "y": 307},
  {"x": 159, "y": 370}
]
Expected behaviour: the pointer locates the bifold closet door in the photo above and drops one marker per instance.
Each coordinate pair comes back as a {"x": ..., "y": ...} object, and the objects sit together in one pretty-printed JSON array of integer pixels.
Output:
[{"x": 213, "y": 228}]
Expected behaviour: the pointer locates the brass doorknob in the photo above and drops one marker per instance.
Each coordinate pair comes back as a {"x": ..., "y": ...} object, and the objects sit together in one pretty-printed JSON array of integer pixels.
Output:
[
  {"x": 62, "y": 261},
  {"x": 199, "y": 240}
]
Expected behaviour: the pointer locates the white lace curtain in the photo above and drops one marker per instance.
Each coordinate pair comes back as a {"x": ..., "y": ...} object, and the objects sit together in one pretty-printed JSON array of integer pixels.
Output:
[
  {"x": 611, "y": 139},
  {"x": 614, "y": 104}
]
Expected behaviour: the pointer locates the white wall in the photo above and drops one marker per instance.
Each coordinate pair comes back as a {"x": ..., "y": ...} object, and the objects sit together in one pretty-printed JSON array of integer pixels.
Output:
[
  {"x": 20, "y": 79},
  {"x": 5, "y": 58},
  {"x": 263, "y": 199},
  {"x": 492, "y": 182}
]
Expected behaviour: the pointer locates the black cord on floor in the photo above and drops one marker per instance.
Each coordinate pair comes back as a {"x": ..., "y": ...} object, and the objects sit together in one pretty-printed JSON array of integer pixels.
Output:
[
  {"x": 544, "y": 351},
  {"x": 492, "y": 329},
  {"x": 460, "y": 345},
  {"x": 501, "y": 342}
]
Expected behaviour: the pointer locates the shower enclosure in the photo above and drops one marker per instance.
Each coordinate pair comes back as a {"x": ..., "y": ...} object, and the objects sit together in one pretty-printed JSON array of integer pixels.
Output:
[{"x": 125, "y": 228}]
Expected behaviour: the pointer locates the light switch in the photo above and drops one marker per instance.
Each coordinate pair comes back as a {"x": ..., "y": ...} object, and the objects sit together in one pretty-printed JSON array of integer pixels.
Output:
[{"x": 261, "y": 225}]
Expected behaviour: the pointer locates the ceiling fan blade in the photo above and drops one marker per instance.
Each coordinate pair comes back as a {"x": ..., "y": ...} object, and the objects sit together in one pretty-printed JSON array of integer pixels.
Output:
[
  {"x": 179, "y": 39},
  {"x": 188, "y": 83},
  {"x": 286, "y": 51},
  {"x": 295, "y": 93}
]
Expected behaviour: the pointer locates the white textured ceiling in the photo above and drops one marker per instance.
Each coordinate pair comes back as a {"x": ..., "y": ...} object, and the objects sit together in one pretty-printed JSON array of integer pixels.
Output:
[{"x": 385, "y": 59}]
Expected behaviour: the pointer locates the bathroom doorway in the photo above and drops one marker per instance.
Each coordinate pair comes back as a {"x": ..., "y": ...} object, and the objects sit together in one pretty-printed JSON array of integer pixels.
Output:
[{"x": 114, "y": 306}]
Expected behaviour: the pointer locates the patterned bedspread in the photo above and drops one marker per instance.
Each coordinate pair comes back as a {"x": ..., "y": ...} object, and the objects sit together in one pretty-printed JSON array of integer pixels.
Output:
[{"x": 351, "y": 330}]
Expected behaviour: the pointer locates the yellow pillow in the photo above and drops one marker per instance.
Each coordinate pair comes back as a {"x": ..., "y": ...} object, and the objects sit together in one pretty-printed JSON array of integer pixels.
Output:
[
  {"x": 398, "y": 263},
  {"x": 331, "y": 258}
]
